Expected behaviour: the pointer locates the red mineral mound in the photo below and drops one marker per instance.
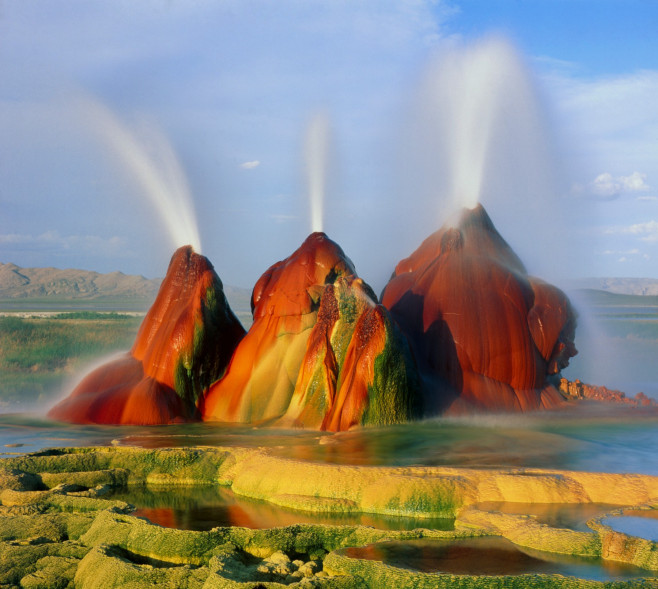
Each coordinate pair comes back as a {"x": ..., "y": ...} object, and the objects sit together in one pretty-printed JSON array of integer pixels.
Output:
[
  {"x": 321, "y": 352},
  {"x": 357, "y": 368},
  {"x": 486, "y": 336},
  {"x": 183, "y": 345},
  {"x": 261, "y": 377}
]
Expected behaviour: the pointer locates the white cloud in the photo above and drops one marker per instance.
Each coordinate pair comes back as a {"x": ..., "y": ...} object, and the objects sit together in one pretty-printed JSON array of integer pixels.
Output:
[
  {"x": 634, "y": 251},
  {"x": 250, "y": 165},
  {"x": 52, "y": 240},
  {"x": 279, "y": 218},
  {"x": 605, "y": 123},
  {"x": 607, "y": 187},
  {"x": 647, "y": 231}
]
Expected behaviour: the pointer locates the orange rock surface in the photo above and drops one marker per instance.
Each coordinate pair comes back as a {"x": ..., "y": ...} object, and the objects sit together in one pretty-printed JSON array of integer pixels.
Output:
[
  {"x": 261, "y": 376},
  {"x": 357, "y": 367},
  {"x": 311, "y": 356},
  {"x": 485, "y": 335},
  {"x": 183, "y": 345}
]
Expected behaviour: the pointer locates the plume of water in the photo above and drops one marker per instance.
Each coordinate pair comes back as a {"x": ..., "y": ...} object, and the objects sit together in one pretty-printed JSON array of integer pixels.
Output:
[
  {"x": 154, "y": 165},
  {"x": 316, "y": 154},
  {"x": 482, "y": 129}
]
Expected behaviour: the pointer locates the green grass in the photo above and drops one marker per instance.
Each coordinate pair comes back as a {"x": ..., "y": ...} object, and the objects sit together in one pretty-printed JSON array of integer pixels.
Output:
[
  {"x": 39, "y": 354},
  {"x": 64, "y": 304},
  {"x": 604, "y": 298}
]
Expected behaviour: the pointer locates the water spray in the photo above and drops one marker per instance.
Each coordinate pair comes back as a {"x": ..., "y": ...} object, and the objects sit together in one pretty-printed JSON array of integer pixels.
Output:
[
  {"x": 154, "y": 165},
  {"x": 316, "y": 152},
  {"x": 480, "y": 134}
]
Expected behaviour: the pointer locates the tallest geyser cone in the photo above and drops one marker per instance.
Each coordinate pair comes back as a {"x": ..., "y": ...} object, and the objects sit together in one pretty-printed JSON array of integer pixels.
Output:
[{"x": 486, "y": 335}]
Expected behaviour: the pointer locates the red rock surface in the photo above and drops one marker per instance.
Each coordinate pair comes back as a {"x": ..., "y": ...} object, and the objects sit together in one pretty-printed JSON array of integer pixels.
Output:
[
  {"x": 183, "y": 345},
  {"x": 321, "y": 352},
  {"x": 261, "y": 377},
  {"x": 357, "y": 368},
  {"x": 578, "y": 390},
  {"x": 485, "y": 335}
]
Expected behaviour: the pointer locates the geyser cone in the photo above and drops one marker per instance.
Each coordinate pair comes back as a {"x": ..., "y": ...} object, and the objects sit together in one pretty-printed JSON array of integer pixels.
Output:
[
  {"x": 486, "y": 335},
  {"x": 304, "y": 360},
  {"x": 183, "y": 345}
]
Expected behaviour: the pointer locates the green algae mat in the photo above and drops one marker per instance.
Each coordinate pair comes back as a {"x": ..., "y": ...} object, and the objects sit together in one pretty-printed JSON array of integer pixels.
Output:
[{"x": 61, "y": 527}]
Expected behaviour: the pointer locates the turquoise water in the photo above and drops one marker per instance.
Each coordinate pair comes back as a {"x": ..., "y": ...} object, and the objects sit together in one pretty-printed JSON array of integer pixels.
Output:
[
  {"x": 643, "y": 524},
  {"x": 489, "y": 556},
  {"x": 587, "y": 437}
]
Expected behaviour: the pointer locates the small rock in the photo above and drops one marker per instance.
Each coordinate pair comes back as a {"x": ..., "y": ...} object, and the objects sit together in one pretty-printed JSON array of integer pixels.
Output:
[
  {"x": 283, "y": 569},
  {"x": 278, "y": 557},
  {"x": 264, "y": 569},
  {"x": 309, "y": 568}
]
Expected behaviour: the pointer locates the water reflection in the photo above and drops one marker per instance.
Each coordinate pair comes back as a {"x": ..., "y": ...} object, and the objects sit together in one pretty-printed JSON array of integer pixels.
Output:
[
  {"x": 488, "y": 556},
  {"x": 589, "y": 438},
  {"x": 640, "y": 523},
  {"x": 204, "y": 508},
  {"x": 572, "y": 516}
]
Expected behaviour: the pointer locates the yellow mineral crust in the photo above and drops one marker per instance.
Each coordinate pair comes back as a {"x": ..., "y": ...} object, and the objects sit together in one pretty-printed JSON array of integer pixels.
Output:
[{"x": 58, "y": 529}]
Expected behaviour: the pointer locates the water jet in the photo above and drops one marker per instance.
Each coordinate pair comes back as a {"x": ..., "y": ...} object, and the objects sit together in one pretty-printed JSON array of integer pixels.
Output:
[
  {"x": 316, "y": 155},
  {"x": 151, "y": 160}
]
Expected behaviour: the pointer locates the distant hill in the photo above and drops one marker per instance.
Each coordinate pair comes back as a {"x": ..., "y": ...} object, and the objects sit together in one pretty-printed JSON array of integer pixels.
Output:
[
  {"x": 23, "y": 283},
  {"x": 628, "y": 286},
  {"x": 602, "y": 298},
  {"x": 52, "y": 288}
]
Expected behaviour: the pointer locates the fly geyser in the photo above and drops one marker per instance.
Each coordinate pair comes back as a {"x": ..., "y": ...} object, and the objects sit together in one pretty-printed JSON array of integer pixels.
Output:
[
  {"x": 485, "y": 335},
  {"x": 461, "y": 328},
  {"x": 183, "y": 345},
  {"x": 321, "y": 352}
]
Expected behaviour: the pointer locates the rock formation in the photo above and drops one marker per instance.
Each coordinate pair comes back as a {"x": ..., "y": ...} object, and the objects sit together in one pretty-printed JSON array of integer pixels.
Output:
[
  {"x": 357, "y": 368},
  {"x": 321, "y": 353},
  {"x": 579, "y": 391},
  {"x": 486, "y": 335},
  {"x": 183, "y": 345}
]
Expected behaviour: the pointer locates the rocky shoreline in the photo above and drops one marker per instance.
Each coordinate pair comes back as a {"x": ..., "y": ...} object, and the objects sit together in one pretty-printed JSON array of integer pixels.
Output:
[{"x": 577, "y": 390}]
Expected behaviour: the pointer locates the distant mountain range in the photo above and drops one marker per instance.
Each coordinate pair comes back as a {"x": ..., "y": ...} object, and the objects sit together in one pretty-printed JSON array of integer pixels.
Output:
[
  {"x": 21, "y": 283},
  {"x": 627, "y": 286},
  {"x": 18, "y": 283},
  {"x": 50, "y": 287}
]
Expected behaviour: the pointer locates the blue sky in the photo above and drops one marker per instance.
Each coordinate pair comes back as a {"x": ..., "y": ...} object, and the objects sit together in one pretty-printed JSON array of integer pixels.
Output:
[{"x": 103, "y": 104}]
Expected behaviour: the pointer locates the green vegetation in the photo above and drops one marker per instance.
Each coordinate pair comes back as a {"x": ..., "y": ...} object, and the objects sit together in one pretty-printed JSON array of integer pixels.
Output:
[
  {"x": 604, "y": 298},
  {"x": 88, "y": 315},
  {"x": 67, "y": 304},
  {"x": 61, "y": 525},
  {"x": 394, "y": 394},
  {"x": 38, "y": 354}
]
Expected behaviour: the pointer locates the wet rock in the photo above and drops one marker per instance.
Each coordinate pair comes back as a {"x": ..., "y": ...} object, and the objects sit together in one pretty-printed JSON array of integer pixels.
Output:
[
  {"x": 486, "y": 335},
  {"x": 183, "y": 345},
  {"x": 321, "y": 352}
]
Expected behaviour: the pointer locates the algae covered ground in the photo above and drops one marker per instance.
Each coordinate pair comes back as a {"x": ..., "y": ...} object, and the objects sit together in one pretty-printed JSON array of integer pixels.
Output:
[{"x": 61, "y": 526}]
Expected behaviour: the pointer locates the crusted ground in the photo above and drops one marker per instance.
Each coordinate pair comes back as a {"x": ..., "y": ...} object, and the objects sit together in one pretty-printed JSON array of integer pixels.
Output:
[{"x": 60, "y": 527}]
